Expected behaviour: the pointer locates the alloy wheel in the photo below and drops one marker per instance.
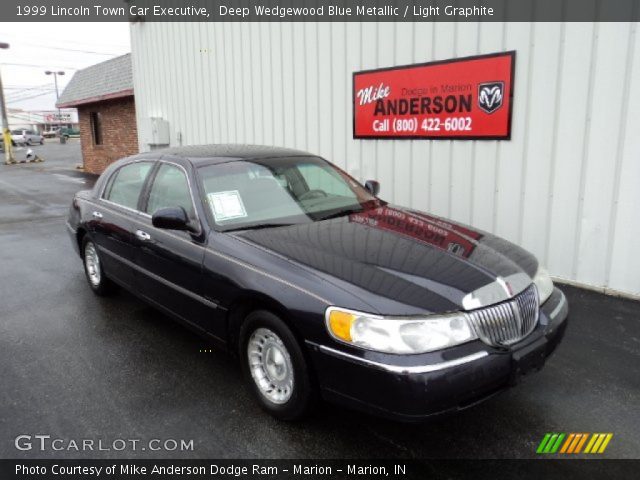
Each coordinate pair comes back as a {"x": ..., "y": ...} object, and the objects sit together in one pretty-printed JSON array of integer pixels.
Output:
[
  {"x": 270, "y": 365},
  {"x": 92, "y": 264}
]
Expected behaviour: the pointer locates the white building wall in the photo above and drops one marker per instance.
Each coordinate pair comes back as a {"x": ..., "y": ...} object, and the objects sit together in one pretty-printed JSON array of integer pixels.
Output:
[{"x": 566, "y": 186}]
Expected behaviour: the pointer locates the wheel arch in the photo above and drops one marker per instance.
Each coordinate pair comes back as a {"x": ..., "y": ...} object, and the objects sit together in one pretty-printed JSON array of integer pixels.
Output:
[
  {"x": 250, "y": 301},
  {"x": 81, "y": 232}
]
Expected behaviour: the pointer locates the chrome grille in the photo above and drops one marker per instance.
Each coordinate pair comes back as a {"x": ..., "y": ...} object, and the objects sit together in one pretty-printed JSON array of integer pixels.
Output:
[{"x": 508, "y": 322}]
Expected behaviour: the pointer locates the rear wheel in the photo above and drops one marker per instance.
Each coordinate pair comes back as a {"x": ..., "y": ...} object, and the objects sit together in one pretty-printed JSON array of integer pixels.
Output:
[
  {"x": 98, "y": 281},
  {"x": 275, "y": 366}
]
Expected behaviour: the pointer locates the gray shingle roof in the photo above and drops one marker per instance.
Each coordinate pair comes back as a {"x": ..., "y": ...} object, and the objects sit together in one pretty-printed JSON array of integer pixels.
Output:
[{"x": 110, "y": 79}]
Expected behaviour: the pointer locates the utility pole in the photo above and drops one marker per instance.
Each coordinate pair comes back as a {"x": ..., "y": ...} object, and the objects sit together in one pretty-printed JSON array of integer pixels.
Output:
[
  {"x": 55, "y": 81},
  {"x": 6, "y": 133}
]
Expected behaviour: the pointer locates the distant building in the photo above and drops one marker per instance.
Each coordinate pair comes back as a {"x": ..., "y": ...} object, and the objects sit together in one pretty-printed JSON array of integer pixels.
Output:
[
  {"x": 103, "y": 95},
  {"x": 41, "y": 120}
]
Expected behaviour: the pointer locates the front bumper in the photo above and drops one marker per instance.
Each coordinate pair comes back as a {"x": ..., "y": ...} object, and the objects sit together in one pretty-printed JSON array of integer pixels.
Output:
[{"x": 413, "y": 387}]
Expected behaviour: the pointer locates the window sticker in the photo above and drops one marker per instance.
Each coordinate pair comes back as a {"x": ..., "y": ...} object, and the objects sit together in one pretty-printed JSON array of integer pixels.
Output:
[{"x": 226, "y": 205}]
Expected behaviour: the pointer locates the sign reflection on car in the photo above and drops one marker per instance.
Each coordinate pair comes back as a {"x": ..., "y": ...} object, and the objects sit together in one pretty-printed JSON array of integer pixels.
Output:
[{"x": 423, "y": 228}]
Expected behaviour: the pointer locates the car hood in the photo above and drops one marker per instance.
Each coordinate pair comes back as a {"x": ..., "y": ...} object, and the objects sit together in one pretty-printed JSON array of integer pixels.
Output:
[{"x": 394, "y": 257}]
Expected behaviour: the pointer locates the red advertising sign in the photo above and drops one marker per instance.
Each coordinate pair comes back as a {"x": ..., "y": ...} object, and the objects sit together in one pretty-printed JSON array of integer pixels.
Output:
[{"x": 463, "y": 98}]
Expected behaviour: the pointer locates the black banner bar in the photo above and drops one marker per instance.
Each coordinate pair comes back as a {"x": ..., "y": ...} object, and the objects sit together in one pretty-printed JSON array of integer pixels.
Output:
[
  {"x": 591, "y": 469},
  {"x": 319, "y": 10}
]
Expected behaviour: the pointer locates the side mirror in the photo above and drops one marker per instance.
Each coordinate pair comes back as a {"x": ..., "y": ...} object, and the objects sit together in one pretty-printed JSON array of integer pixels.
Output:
[
  {"x": 172, "y": 218},
  {"x": 373, "y": 187}
]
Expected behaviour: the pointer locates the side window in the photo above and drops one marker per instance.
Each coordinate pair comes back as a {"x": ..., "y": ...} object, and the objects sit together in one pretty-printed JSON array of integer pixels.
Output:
[
  {"x": 125, "y": 186},
  {"x": 170, "y": 189}
]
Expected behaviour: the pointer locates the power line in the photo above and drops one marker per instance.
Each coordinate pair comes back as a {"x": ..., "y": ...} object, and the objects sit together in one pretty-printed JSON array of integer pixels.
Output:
[
  {"x": 17, "y": 98},
  {"x": 26, "y": 88},
  {"x": 28, "y": 98},
  {"x": 71, "y": 49},
  {"x": 72, "y": 42},
  {"x": 31, "y": 65},
  {"x": 19, "y": 90}
]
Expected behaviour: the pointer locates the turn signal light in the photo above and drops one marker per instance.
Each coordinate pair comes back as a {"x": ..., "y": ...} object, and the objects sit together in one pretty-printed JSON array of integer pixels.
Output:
[{"x": 340, "y": 324}]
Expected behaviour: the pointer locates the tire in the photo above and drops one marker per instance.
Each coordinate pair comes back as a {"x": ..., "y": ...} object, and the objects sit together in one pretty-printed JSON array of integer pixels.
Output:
[
  {"x": 42, "y": 141},
  {"x": 269, "y": 345},
  {"x": 96, "y": 278}
]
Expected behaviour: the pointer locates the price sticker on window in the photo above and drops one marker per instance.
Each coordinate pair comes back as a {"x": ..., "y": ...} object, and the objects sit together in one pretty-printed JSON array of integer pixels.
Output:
[{"x": 226, "y": 205}]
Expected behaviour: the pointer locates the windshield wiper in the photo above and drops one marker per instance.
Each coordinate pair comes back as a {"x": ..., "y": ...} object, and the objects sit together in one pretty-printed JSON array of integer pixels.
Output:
[
  {"x": 342, "y": 213},
  {"x": 259, "y": 226}
]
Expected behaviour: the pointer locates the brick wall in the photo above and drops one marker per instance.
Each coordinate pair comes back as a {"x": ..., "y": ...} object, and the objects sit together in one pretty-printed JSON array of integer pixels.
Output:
[{"x": 119, "y": 133}]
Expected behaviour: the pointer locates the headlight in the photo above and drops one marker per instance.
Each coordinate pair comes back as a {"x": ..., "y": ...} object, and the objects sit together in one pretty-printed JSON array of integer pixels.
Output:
[
  {"x": 398, "y": 335},
  {"x": 543, "y": 283}
]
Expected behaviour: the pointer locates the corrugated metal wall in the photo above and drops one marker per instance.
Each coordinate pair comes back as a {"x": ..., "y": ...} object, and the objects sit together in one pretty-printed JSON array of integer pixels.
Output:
[{"x": 566, "y": 187}]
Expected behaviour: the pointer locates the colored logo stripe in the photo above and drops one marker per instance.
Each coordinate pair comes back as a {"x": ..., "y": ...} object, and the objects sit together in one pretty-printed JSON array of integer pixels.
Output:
[
  {"x": 550, "y": 443},
  {"x": 598, "y": 442},
  {"x": 574, "y": 442}
]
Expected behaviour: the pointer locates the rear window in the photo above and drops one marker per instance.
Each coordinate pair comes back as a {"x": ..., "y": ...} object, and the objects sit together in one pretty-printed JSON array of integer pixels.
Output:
[{"x": 125, "y": 185}]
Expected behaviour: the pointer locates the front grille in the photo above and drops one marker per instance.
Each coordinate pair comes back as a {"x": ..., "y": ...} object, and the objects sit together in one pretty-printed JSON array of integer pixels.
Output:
[{"x": 508, "y": 322}]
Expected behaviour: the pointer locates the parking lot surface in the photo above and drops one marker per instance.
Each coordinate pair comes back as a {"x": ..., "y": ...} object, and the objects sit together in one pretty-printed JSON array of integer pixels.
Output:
[{"x": 76, "y": 366}]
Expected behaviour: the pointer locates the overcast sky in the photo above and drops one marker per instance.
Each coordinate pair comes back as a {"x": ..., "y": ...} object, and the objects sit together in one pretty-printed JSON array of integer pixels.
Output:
[{"x": 38, "y": 47}]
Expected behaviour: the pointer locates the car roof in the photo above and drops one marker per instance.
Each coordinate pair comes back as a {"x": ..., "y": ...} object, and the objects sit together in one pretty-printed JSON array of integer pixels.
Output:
[{"x": 200, "y": 155}]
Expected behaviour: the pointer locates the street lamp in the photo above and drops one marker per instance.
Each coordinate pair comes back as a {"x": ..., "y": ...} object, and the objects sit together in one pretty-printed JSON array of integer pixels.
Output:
[
  {"x": 55, "y": 80},
  {"x": 6, "y": 134}
]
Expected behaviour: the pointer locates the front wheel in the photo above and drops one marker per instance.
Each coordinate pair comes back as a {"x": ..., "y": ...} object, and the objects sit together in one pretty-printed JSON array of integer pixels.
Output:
[
  {"x": 275, "y": 366},
  {"x": 98, "y": 281}
]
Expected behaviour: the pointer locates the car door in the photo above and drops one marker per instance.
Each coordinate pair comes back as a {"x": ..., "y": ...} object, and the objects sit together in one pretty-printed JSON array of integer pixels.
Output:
[
  {"x": 170, "y": 261},
  {"x": 112, "y": 220}
]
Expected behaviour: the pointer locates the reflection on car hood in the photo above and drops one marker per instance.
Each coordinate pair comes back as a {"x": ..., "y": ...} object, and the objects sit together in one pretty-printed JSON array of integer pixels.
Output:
[{"x": 408, "y": 257}]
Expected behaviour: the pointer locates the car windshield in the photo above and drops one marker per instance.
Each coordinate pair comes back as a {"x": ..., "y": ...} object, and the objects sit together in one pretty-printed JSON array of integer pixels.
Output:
[{"x": 280, "y": 191}]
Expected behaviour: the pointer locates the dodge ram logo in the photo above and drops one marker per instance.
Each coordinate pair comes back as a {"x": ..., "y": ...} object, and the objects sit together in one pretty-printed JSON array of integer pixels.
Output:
[{"x": 490, "y": 96}]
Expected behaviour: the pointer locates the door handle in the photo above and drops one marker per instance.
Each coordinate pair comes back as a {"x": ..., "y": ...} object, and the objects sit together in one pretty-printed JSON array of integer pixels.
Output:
[
  {"x": 144, "y": 236},
  {"x": 97, "y": 215}
]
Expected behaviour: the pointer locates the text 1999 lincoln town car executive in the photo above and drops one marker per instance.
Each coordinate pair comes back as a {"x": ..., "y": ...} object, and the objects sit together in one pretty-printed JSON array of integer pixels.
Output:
[{"x": 319, "y": 287}]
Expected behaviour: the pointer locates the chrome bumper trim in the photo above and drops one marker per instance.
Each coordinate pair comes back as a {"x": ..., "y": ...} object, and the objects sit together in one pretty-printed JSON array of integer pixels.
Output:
[
  {"x": 561, "y": 303},
  {"x": 434, "y": 367}
]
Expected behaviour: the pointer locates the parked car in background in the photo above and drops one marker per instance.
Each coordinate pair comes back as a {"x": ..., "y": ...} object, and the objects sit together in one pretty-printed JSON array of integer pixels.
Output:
[
  {"x": 67, "y": 132},
  {"x": 26, "y": 137},
  {"x": 317, "y": 285},
  {"x": 50, "y": 133}
]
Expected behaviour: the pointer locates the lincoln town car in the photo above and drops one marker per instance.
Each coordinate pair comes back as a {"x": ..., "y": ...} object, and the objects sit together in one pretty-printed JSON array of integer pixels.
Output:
[{"x": 319, "y": 287}]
